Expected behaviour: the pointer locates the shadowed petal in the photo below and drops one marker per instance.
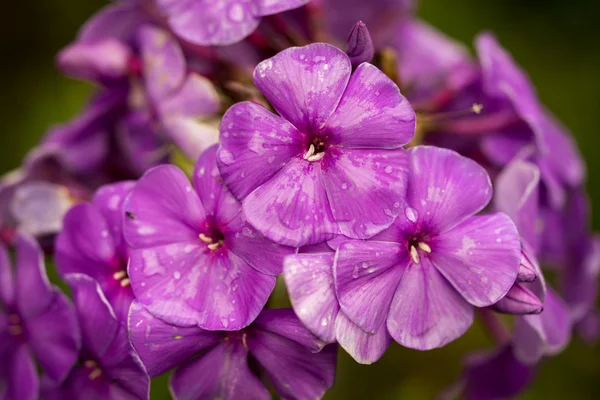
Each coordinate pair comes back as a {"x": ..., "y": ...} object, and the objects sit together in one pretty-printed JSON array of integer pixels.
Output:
[
  {"x": 305, "y": 84},
  {"x": 255, "y": 145},
  {"x": 31, "y": 278},
  {"x": 519, "y": 300},
  {"x": 365, "y": 188},
  {"x": 292, "y": 208},
  {"x": 119, "y": 21},
  {"x": 109, "y": 200},
  {"x": 427, "y": 312},
  {"x": 22, "y": 378},
  {"x": 480, "y": 257},
  {"x": 197, "y": 97},
  {"x": 445, "y": 188},
  {"x": 366, "y": 276},
  {"x": 372, "y": 113},
  {"x": 364, "y": 347},
  {"x": 309, "y": 281},
  {"x": 220, "y": 373},
  {"x": 162, "y": 346},
  {"x": 7, "y": 284}
]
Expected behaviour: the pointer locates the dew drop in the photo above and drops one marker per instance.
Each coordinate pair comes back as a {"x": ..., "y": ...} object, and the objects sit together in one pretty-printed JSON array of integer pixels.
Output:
[{"x": 411, "y": 214}]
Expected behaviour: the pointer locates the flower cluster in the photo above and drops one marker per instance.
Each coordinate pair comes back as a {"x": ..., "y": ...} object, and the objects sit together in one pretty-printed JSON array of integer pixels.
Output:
[{"x": 398, "y": 187}]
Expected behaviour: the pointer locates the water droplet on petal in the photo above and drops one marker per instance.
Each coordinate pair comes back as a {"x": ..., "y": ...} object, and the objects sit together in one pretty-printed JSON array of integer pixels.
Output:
[{"x": 411, "y": 214}]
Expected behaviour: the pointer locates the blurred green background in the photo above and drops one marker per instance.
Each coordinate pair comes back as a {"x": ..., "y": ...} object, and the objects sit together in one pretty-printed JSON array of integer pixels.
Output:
[{"x": 555, "y": 41}]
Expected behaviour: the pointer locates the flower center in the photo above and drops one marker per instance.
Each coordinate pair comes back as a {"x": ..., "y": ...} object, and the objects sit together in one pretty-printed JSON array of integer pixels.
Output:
[
  {"x": 214, "y": 239},
  {"x": 93, "y": 368},
  {"x": 316, "y": 149},
  {"x": 122, "y": 277},
  {"x": 14, "y": 325},
  {"x": 415, "y": 246}
]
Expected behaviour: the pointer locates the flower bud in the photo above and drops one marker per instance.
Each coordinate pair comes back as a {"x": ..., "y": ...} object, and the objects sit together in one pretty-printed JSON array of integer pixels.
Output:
[
  {"x": 519, "y": 300},
  {"x": 360, "y": 46}
]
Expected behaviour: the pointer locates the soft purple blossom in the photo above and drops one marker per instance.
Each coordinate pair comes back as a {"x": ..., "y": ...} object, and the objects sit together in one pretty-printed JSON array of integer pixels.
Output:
[
  {"x": 37, "y": 324},
  {"x": 92, "y": 243},
  {"x": 108, "y": 367},
  {"x": 423, "y": 276},
  {"x": 216, "y": 364},
  {"x": 206, "y": 22},
  {"x": 194, "y": 260},
  {"x": 331, "y": 162}
]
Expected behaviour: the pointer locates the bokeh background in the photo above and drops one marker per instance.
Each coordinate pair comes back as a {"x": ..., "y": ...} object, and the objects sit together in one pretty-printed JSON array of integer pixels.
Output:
[{"x": 556, "y": 41}]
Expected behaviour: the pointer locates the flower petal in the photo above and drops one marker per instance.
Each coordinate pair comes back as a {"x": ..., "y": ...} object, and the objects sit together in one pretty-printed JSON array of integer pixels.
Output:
[
  {"x": 189, "y": 285},
  {"x": 119, "y": 21},
  {"x": 365, "y": 188},
  {"x": 292, "y": 208},
  {"x": 364, "y": 347},
  {"x": 372, "y": 113},
  {"x": 366, "y": 276},
  {"x": 197, "y": 97},
  {"x": 7, "y": 284},
  {"x": 309, "y": 281},
  {"x": 162, "y": 209},
  {"x": 519, "y": 300},
  {"x": 255, "y": 145},
  {"x": 224, "y": 374},
  {"x": 427, "y": 312},
  {"x": 270, "y": 7},
  {"x": 480, "y": 257},
  {"x": 109, "y": 201},
  {"x": 54, "y": 338},
  {"x": 162, "y": 346},
  {"x": 517, "y": 195},
  {"x": 21, "y": 377},
  {"x": 445, "y": 188},
  {"x": 305, "y": 84},
  {"x": 294, "y": 371},
  {"x": 31, "y": 278}
]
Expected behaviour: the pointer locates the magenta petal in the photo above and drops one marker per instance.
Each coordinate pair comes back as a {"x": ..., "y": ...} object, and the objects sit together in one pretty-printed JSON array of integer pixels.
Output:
[
  {"x": 365, "y": 188},
  {"x": 427, "y": 312},
  {"x": 197, "y": 97},
  {"x": 255, "y": 145},
  {"x": 162, "y": 209},
  {"x": 292, "y": 208},
  {"x": 372, "y": 113},
  {"x": 162, "y": 346},
  {"x": 480, "y": 257},
  {"x": 364, "y": 347},
  {"x": 544, "y": 334},
  {"x": 517, "y": 195},
  {"x": 366, "y": 276},
  {"x": 54, "y": 338},
  {"x": 221, "y": 373},
  {"x": 445, "y": 188},
  {"x": 309, "y": 281},
  {"x": 163, "y": 62},
  {"x": 194, "y": 286},
  {"x": 296, "y": 373},
  {"x": 109, "y": 200},
  {"x": 305, "y": 84},
  {"x": 190, "y": 135},
  {"x": 31, "y": 278},
  {"x": 270, "y": 7},
  {"x": 519, "y": 300},
  {"x": 118, "y": 21},
  {"x": 284, "y": 322},
  {"x": 105, "y": 60},
  {"x": 7, "y": 284},
  {"x": 22, "y": 379}
]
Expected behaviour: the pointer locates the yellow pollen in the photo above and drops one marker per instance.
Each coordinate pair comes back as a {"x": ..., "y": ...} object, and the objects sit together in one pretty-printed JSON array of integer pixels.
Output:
[
  {"x": 119, "y": 275},
  {"x": 125, "y": 282},
  {"x": 425, "y": 247},
  {"x": 414, "y": 254},
  {"x": 477, "y": 108},
  {"x": 89, "y": 364},
  {"x": 177, "y": 337},
  {"x": 94, "y": 374},
  {"x": 205, "y": 238},
  {"x": 244, "y": 341},
  {"x": 215, "y": 246}
]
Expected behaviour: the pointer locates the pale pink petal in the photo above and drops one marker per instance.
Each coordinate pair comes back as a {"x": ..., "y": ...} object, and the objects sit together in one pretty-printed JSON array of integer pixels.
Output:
[{"x": 365, "y": 348}]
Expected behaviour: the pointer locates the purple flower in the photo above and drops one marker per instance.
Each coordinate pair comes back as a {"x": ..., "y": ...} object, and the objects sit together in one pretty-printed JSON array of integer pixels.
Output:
[
  {"x": 216, "y": 364},
  {"x": 194, "y": 260},
  {"x": 37, "y": 323},
  {"x": 332, "y": 161},
  {"x": 360, "y": 46},
  {"x": 108, "y": 367},
  {"x": 206, "y": 22},
  {"x": 92, "y": 243},
  {"x": 310, "y": 284},
  {"x": 424, "y": 276}
]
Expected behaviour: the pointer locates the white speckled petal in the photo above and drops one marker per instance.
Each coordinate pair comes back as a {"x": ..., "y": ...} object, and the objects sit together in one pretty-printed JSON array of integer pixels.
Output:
[
  {"x": 427, "y": 312},
  {"x": 480, "y": 257},
  {"x": 309, "y": 281},
  {"x": 372, "y": 112},
  {"x": 305, "y": 84},
  {"x": 445, "y": 188},
  {"x": 366, "y": 188},
  {"x": 364, "y": 347}
]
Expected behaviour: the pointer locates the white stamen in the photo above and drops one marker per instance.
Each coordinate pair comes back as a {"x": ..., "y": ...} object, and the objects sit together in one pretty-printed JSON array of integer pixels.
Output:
[
  {"x": 425, "y": 247},
  {"x": 414, "y": 254},
  {"x": 125, "y": 282},
  {"x": 310, "y": 152},
  {"x": 119, "y": 275},
  {"x": 316, "y": 157},
  {"x": 214, "y": 246},
  {"x": 477, "y": 108},
  {"x": 205, "y": 238}
]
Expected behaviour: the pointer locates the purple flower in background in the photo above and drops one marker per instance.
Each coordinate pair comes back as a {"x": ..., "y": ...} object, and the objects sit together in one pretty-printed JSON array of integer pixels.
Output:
[
  {"x": 37, "y": 324},
  {"x": 332, "y": 161},
  {"x": 310, "y": 284},
  {"x": 206, "y": 22},
  {"x": 108, "y": 367},
  {"x": 92, "y": 243},
  {"x": 360, "y": 46},
  {"x": 424, "y": 275},
  {"x": 217, "y": 364},
  {"x": 194, "y": 260}
]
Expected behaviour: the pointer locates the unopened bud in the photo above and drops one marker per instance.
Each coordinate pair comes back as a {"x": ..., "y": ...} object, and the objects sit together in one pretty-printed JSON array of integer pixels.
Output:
[
  {"x": 360, "y": 46},
  {"x": 518, "y": 301}
]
